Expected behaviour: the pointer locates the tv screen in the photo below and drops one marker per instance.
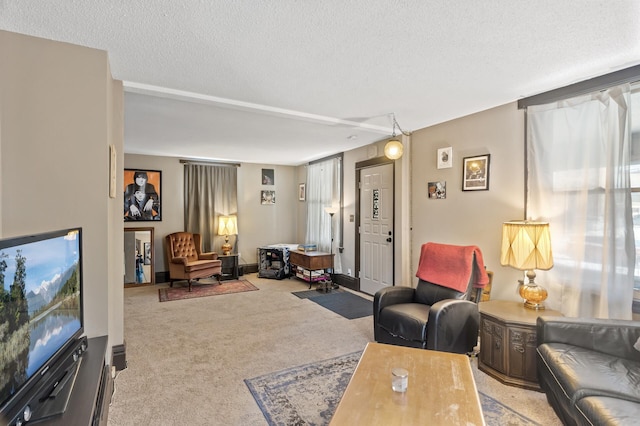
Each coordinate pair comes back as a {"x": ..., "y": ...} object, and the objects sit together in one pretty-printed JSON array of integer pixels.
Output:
[{"x": 40, "y": 307}]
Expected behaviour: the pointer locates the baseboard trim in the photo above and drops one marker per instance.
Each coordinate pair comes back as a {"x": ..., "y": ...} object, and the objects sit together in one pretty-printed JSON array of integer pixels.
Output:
[
  {"x": 250, "y": 268},
  {"x": 162, "y": 277},
  {"x": 347, "y": 281}
]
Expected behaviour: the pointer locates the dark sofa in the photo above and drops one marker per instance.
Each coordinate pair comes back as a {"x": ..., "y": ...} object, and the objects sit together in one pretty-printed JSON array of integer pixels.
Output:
[{"x": 590, "y": 369}]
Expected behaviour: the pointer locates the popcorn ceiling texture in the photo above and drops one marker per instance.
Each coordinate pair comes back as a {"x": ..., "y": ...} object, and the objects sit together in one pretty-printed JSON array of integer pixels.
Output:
[{"x": 303, "y": 64}]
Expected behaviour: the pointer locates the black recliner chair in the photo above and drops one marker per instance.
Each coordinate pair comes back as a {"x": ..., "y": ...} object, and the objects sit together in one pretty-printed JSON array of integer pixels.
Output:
[{"x": 430, "y": 316}]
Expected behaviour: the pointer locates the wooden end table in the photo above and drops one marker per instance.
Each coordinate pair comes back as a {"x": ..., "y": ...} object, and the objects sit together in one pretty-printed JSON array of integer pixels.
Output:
[
  {"x": 311, "y": 261},
  {"x": 229, "y": 266},
  {"x": 508, "y": 342}
]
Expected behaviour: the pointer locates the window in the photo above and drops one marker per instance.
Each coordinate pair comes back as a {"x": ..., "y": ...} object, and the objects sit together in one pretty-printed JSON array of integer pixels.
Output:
[
  {"x": 324, "y": 190},
  {"x": 635, "y": 175}
]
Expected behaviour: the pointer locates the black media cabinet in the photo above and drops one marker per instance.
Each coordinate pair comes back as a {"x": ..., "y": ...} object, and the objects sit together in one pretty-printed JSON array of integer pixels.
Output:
[{"x": 91, "y": 394}]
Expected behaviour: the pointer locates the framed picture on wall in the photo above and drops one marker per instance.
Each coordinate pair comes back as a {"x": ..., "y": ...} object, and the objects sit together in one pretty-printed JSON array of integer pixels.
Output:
[
  {"x": 147, "y": 253},
  {"x": 445, "y": 158},
  {"x": 267, "y": 197},
  {"x": 302, "y": 192},
  {"x": 268, "y": 177},
  {"x": 142, "y": 191},
  {"x": 475, "y": 171}
]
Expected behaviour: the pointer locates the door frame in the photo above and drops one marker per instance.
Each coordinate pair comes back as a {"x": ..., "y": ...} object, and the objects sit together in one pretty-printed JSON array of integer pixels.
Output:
[{"x": 378, "y": 161}]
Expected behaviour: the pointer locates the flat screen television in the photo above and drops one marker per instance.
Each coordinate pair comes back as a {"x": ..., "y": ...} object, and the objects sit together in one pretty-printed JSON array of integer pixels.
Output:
[{"x": 41, "y": 316}]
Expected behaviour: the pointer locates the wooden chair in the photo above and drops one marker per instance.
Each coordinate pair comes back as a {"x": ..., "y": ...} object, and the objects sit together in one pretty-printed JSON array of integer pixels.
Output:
[{"x": 186, "y": 260}]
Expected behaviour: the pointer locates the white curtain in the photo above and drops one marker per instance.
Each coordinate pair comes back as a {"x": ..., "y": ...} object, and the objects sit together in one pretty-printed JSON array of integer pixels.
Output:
[
  {"x": 578, "y": 180},
  {"x": 209, "y": 191},
  {"x": 323, "y": 190}
]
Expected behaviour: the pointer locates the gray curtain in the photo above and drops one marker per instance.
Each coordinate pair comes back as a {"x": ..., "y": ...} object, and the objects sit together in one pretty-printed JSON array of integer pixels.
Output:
[{"x": 209, "y": 192}]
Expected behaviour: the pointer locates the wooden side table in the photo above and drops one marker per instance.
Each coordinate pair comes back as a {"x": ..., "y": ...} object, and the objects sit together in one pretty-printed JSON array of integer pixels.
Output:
[
  {"x": 229, "y": 266},
  {"x": 311, "y": 261},
  {"x": 508, "y": 342}
]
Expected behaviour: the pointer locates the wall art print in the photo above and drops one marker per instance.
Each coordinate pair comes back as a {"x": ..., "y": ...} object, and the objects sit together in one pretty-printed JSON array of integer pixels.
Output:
[
  {"x": 475, "y": 171},
  {"x": 268, "y": 177},
  {"x": 437, "y": 190},
  {"x": 267, "y": 197},
  {"x": 302, "y": 192},
  {"x": 445, "y": 158},
  {"x": 142, "y": 191}
]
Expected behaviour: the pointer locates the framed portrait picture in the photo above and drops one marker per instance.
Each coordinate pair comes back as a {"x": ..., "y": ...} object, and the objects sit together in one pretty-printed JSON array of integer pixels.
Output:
[
  {"x": 147, "y": 253},
  {"x": 445, "y": 158},
  {"x": 437, "y": 190},
  {"x": 142, "y": 192},
  {"x": 268, "y": 177},
  {"x": 267, "y": 197},
  {"x": 475, "y": 171},
  {"x": 302, "y": 192}
]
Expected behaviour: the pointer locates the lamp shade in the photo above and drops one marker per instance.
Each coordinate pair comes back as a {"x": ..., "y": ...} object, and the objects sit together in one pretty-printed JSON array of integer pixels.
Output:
[
  {"x": 332, "y": 209},
  {"x": 393, "y": 149},
  {"x": 227, "y": 225},
  {"x": 526, "y": 245}
]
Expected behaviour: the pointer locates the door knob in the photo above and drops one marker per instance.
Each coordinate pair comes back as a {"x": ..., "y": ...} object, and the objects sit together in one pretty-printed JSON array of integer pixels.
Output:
[{"x": 389, "y": 239}]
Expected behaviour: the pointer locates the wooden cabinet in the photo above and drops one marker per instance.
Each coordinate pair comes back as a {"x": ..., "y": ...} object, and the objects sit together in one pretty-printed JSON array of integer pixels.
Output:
[
  {"x": 307, "y": 263},
  {"x": 508, "y": 342}
]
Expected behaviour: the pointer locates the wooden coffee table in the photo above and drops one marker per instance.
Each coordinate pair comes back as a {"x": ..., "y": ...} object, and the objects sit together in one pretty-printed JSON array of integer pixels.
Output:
[{"x": 441, "y": 389}]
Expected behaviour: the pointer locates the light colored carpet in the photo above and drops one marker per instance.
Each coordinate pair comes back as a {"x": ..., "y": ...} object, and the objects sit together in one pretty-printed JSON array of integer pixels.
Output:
[{"x": 187, "y": 360}]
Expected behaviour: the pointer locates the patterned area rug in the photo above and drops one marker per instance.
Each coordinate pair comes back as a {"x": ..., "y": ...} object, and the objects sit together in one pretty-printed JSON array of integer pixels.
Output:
[
  {"x": 180, "y": 290},
  {"x": 309, "y": 394}
]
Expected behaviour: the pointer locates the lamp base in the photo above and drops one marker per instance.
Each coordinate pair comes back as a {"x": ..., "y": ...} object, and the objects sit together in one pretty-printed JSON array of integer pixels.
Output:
[
  {"x": 226, "y": 249},
  {"x": 534, "y": 295}
]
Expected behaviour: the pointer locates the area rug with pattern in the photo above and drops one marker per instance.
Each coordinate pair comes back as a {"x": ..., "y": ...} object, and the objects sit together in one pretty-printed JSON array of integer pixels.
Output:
[
  {"x": 309, "y": 394},
  {"x": 180, "y": 290},
  {"x": 341, "y": 302}
]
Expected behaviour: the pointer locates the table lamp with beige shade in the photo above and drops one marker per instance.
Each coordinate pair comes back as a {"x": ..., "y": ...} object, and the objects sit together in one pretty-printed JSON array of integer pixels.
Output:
[
  {"x": 227, "y": 225},
  {"x": 526, "y": 245}
]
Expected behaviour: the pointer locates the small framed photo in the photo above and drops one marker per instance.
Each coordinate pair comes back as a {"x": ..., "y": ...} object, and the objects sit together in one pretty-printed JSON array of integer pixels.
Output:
[
  {"x": 437, "y": 190},
  {"x": 302, "y": 192},
  {"x": 445, "y": 158},
  {"x": 475, "y": 171},
  {"x": 267, "y": 197},
  {"x": 268, "y": 177},
  {"x": 142, "y": 192}
]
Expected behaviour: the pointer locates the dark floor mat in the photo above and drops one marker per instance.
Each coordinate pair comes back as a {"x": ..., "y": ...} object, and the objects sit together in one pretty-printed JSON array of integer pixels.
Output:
[{"x": 345, "y": 303}]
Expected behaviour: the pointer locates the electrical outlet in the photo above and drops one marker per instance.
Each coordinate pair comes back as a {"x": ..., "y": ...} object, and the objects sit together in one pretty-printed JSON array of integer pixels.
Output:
[
  {"x": 113, "y": 371},
  {"x": 349, "y": 271}
]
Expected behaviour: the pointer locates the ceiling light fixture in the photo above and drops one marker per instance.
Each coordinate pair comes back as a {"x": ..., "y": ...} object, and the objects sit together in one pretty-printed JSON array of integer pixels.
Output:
[{"x": 394, "y": 149}]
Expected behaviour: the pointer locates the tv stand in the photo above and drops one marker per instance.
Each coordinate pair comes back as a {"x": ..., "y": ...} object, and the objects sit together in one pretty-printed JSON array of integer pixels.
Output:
[
  {"x": 90, "y": 396},
  {"x": 55, "y": 402}
]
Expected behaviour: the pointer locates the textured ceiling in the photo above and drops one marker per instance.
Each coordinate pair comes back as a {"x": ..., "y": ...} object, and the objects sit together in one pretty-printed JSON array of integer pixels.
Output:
[{"x": 286, "y": 82}]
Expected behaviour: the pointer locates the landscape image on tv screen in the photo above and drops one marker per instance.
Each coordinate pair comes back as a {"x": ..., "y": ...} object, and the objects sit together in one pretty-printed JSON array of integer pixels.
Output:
[{"x": 40, "y": 304}]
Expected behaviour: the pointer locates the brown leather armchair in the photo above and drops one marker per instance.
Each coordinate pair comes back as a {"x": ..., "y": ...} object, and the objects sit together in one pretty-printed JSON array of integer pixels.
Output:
[{"x": 186, "y": 260}]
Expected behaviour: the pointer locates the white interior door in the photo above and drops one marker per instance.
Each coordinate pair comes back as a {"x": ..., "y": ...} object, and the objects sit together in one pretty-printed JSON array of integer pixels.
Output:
[{"x": 376, "y": 228}]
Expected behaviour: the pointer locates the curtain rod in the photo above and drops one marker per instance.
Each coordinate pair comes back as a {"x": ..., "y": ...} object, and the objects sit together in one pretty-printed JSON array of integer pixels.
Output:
[
  {"x": 627, "y": 75},
  {"x": 210, "y": 163}
]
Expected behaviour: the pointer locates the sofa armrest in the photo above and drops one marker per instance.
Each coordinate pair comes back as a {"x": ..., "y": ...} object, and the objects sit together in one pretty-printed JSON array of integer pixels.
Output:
[
  {"x": 453, "y": 326},
  {"x": 208, "y": 256},
  {"x": 609, "y": 336}
]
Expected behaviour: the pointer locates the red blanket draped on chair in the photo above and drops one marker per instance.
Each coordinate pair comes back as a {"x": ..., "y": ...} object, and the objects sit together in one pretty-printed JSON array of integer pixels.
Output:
[{"x": 451, "y": 266}]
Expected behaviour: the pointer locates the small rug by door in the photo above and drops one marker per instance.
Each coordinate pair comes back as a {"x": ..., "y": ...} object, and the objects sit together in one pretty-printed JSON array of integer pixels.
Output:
[
  {"x": 309, "y": 394},
  {"x": 180, "y": 290},
  {"x": 345, "y": 303}
]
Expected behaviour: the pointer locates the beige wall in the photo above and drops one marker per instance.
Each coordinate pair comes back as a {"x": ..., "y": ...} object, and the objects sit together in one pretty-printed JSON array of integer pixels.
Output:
[
  {"x": 258, "y": 224},
  {"x": 471, "y": 217},
  {"x": 60, "y": 111}
]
